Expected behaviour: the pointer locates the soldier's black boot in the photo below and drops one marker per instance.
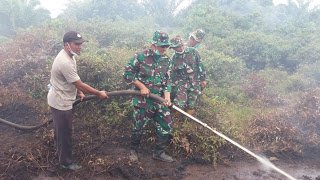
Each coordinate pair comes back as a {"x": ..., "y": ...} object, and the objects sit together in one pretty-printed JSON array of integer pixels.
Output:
[
  {"x": 135, "y": 143},
  {"x": 159, "y": 152}
]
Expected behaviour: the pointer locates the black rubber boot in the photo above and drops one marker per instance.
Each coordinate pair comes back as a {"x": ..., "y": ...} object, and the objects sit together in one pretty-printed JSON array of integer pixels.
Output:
[
  {"x": 159, "y": 152},
  {"x": 135, "y": 140},
  {"x": 135, "y": 143},
  {"x": 163, "y": 157}
]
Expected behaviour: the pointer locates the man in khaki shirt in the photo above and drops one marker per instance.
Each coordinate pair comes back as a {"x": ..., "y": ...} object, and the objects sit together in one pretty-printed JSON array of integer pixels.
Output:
[{"x": 65, "y": 84}]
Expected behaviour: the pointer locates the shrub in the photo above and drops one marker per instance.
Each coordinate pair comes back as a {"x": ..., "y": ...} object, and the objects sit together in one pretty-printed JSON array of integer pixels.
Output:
[
  {"x": 272, "y": 133},
  {"x": 259, "y": 89},
  {"x": 306, "y": 117},
  {"x": 222, "y": 70}
]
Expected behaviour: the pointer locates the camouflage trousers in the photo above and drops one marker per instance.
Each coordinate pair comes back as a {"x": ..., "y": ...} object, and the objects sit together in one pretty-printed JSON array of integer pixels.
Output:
[
  {"x": 185, "y": 97},
  {"x": 160, "y": 116}
]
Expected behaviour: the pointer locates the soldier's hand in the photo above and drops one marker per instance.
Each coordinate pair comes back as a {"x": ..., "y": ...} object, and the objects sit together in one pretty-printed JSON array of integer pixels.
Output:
[
  {"x": 167, "y": 102},
  {"x": 145, "y": 92},
  {"x": 103, "y": 95}
]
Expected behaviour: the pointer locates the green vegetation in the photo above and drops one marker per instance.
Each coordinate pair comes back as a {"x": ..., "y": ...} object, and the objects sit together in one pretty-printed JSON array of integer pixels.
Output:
[{"x": 262, "y": 63}]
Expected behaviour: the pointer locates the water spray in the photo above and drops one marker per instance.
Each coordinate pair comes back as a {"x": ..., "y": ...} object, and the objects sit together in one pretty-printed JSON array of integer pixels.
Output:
[{"x": 262, "y": 160}]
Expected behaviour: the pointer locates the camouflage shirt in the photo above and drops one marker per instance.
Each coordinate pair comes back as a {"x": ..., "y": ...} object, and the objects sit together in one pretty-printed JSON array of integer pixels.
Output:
[
  {"x": 187, "y": 67},
  {"x": 151, "y": 69}
]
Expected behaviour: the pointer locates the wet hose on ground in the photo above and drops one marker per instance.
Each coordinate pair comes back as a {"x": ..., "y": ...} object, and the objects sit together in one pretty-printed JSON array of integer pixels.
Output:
[{"x": 87, "y": 98}]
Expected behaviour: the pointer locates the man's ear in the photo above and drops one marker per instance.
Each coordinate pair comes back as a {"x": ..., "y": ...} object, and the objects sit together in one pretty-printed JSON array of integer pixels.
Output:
[{"x": 69, "y": 48}]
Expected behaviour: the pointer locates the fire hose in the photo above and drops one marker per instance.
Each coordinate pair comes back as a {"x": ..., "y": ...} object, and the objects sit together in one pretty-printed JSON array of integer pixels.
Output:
[
  {"x": 78, "y": 101},
  {"x": 159, "y": 99}
]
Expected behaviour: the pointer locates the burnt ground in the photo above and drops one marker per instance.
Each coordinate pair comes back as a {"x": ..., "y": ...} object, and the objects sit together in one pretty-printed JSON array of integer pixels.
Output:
[{"x": 30, "y": 155}]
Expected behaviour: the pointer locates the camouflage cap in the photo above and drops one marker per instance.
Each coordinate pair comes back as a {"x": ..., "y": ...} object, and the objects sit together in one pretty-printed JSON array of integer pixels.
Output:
[
  {"x": 198, "y": 35},
  {"x": 160, "y": 39},
  {"x": 176, "y": 42}
]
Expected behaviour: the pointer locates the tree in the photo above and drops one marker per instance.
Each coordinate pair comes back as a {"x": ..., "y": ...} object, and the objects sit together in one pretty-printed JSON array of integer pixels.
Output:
[
  {"x": 110, "y": 9},
  {"x": 16, "y": 14},
  {"x": 161, "y": 10}
]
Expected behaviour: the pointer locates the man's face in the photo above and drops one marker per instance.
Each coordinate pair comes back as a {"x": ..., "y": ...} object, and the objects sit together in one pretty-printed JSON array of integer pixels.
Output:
[
  {"x": 178, "y": 49},
  {"x": 162, "y": 49},
  {"x": 193, "y": 42},
  {"x": 75, "y": 47}
]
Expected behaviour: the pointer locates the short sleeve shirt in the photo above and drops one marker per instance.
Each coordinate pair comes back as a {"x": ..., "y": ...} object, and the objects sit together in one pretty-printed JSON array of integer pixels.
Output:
[{"x": 63, "y": 92}]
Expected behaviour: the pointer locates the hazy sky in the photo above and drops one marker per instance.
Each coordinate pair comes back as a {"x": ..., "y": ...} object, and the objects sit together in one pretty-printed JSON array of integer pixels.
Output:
[
  {"x": 313, "y": 2},
  {"x": 57, "y": 6},
  {"x": 54, "y": 6}
]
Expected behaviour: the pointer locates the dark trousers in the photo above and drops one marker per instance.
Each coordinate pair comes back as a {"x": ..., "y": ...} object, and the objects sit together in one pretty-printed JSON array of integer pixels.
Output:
[{"x": 62, "y": 121}]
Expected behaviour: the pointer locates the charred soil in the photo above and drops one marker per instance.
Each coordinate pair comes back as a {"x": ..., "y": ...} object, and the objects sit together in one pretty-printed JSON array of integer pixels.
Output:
[{"x": 31, "y": 155}]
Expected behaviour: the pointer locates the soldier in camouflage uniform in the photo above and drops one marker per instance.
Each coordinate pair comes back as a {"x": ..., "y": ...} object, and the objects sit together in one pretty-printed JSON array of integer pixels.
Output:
[
  {"x": 149, "y": 72},
  {"x": 195, "y": 38},
  {"x": 188, "y": 75}
]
